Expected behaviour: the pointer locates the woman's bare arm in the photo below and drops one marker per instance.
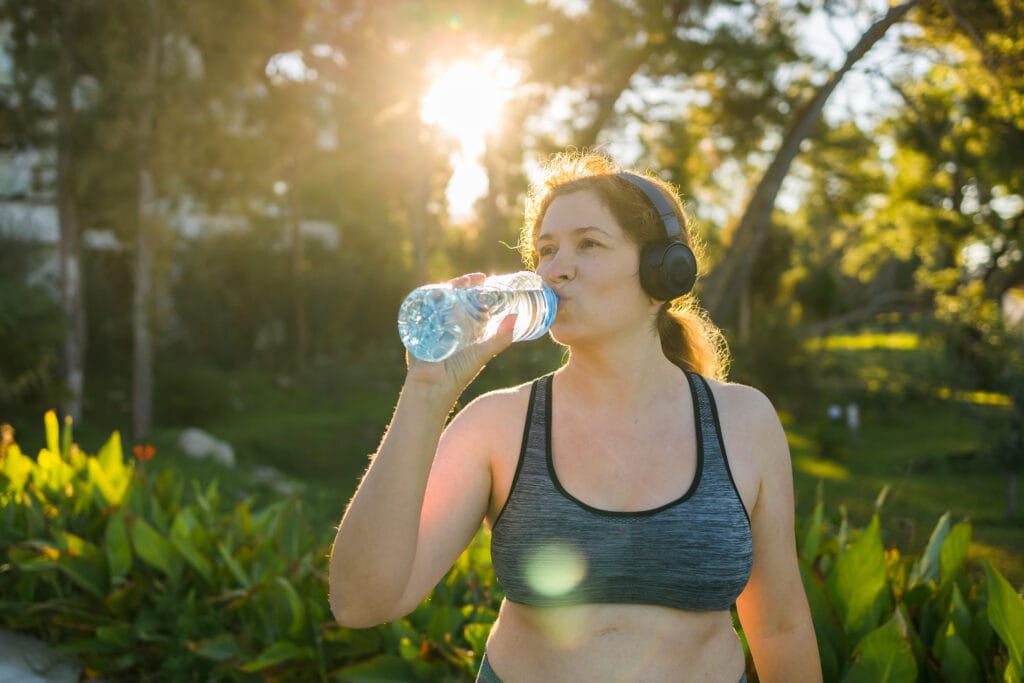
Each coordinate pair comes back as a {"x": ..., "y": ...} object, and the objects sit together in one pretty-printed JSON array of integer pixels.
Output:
[
  {"x": 773, "y": 608},
  {"x": 380, "y": 557}
]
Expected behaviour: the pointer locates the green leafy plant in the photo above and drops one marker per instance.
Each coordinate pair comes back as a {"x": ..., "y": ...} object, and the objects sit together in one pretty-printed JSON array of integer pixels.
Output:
[
  {"x": 880, "y": 616},
  {"x": 158, "y": 578},
  {"x": 166, "y": 579}
]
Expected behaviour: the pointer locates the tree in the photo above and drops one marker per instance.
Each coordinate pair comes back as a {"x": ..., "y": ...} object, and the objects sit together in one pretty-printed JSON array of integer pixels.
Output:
[
  {"x": 47, "y": 47},
  {"x": 725, "y": 285}
]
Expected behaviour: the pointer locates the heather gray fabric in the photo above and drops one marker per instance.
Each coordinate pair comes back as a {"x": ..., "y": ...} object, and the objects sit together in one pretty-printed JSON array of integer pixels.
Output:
[
  {"x": 487, "y": 675},
  {"x": 550, "y": 549}
]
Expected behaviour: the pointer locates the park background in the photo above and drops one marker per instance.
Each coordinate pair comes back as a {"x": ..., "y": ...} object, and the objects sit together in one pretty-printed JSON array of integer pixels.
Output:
[{"x": 210, "y": 212}]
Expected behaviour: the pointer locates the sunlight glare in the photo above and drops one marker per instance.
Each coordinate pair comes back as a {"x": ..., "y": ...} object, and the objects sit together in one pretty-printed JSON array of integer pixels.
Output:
[{"x": 466, "y": 101}]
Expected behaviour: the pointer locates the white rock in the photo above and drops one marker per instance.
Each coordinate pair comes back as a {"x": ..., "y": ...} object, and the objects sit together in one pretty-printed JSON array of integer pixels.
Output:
[
  {"x": 200, "y": 445},
  {"x": 276, "y": 480},
  {"x": 24, "y": 659}
]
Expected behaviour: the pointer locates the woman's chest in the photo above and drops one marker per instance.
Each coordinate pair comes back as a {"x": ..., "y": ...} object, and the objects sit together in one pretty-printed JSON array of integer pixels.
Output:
[{"x": 622, "y": 463}]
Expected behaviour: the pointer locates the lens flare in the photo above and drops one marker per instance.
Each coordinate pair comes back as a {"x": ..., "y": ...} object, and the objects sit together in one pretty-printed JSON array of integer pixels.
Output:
[{"x": 555, "y": 569}]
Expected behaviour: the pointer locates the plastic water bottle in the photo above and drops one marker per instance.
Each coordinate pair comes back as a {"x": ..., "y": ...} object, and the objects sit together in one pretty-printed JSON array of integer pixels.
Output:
[{"x": 435, "y": 321}]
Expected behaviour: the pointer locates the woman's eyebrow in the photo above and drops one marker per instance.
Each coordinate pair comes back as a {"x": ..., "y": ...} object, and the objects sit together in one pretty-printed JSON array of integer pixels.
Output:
[{"x": 546, "y": 237}]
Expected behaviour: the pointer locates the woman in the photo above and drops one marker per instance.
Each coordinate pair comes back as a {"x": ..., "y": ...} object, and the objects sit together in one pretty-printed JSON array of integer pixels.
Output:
[{"x": 633, "y": 494}]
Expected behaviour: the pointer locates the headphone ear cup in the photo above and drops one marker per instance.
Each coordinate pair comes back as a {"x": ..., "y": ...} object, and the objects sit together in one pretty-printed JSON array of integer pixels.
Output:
[{"x": 668, "y": 269}]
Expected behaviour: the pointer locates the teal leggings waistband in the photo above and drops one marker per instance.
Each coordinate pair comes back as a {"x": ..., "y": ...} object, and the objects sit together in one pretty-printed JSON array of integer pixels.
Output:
[{"x": 487, "y": 675}]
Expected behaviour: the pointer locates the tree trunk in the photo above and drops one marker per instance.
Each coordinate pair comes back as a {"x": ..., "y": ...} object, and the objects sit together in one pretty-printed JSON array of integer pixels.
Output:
[
  {"x": 142, "y": 338},
  {"x": 723, "y": 286},
  {"x": 1011, "y": 496},
  {"x": 72, "y": 284},
  {"x": 145, "y": 241},
  {"x": 300, "y": 337}
]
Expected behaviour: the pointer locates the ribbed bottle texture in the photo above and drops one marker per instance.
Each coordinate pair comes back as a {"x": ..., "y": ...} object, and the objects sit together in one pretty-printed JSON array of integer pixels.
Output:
[{"x": 435, "y": 321}]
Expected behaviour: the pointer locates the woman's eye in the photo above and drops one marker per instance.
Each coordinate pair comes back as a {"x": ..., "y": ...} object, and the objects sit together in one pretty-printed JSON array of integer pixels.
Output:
[
  {"x": 545, "y": 251},
  {"x": 588, "y": 244}
]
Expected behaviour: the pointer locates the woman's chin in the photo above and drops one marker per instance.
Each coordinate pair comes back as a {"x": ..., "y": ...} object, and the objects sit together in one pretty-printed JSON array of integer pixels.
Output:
[{"x": 564, "y": 335}]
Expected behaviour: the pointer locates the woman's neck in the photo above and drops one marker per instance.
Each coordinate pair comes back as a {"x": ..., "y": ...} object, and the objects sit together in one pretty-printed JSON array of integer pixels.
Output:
[{"x": 631, "y": 370}]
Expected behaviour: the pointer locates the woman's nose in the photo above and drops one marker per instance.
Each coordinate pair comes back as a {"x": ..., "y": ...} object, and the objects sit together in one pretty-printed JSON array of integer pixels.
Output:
[{"x": 558, "y": 268}]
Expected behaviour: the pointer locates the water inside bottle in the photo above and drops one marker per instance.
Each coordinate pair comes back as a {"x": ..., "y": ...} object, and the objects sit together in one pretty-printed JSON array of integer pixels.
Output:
[
  {"x": 524, "y": 293},
  {"x": 437, "y": 320},
  {"x": 432, "y": 324}
]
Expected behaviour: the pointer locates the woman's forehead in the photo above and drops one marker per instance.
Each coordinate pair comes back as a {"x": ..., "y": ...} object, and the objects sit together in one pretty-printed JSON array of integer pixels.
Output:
[{"x": 577, "y": 210}]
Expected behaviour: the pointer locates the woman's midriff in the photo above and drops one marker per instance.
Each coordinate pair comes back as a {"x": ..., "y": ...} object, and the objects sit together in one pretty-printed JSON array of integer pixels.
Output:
[{"x": 636, "y": 643}]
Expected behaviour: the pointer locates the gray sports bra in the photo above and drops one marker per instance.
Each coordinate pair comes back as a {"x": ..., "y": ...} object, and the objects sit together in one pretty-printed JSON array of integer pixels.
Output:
[{"x": 550, "y": 549}]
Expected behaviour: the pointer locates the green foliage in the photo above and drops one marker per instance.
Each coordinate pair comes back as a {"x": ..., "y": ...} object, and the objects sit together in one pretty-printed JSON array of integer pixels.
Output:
[
  {"x": 146, "y": 581},
  {"x": 880, "y": 616},
  {"x": 31, "y": 326},
  {"x": 163, "y": 579},
  {"x": 155, "y": 579}
]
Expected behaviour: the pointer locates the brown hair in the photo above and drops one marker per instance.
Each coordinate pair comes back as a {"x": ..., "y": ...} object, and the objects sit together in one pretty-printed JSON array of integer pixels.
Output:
[{"x": 688, "y": 337}]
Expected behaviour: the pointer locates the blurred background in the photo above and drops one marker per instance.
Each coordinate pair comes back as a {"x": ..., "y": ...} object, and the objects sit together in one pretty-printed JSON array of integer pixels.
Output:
[{"x": 210, "y": 212}]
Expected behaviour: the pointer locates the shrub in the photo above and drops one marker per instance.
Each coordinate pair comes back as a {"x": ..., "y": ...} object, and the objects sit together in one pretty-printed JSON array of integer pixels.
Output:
[
  {"x": 167, "y": 580},
  {"x": 163, "y": 579},
  {"x": 882, "y": 616}
]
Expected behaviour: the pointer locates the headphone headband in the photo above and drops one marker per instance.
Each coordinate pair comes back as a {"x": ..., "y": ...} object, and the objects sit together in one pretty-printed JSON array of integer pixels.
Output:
[
  {"x": 668, "y": 268},
  {"x": 661, "y": 205}
]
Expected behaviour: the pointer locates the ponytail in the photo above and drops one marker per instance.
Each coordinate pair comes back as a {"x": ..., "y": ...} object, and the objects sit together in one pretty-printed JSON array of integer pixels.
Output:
[{"x": 690, "y": 340}]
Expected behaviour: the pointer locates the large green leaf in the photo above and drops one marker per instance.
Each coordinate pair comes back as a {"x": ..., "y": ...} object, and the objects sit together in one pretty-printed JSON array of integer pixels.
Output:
[
  {"x": 117, "y": 547},
  {"x": 382, "y": 669},
  {"x": 16, "y": 468},
  {"x": 83, "y": 563},
  {"x": 295, "y": 606},
  {"x": 476, "y": 635},
  {"x": 74, "y": 557},
  {"x": 111, "y": 455},
  {"x": 233, "y": 566},
  {"x": 954, "y": 552},
  {"x": 153, "y": 548},
  {"x": 219, "y": 648},
  {"x": 52, "y": 432},
  {"x": 1006, "y": 614},
  {"x": 883, "y": 656},
  {"x": 53, "y": 474},
  {"x": 812, "y": 534},
  {"x": 832, "y": 641},
  {"x": 66, "y": 439},
  {"x": 181, "y": 539},
  {"x": 109, "y": 473},
  {"x": 858, "y": 584},
  {"x": 928, "y": 565},
  {"x": 353, "y": 644},
  {"x": 119, "y": 635},
  {"x": 444, "y": 621},
  {"x": 955, "y": 658},
  {"x": 279, "y": 653}
]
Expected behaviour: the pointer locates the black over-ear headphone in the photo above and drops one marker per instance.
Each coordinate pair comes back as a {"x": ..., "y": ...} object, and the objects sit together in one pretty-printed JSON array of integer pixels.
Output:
[{"x": 668, "y": 268}]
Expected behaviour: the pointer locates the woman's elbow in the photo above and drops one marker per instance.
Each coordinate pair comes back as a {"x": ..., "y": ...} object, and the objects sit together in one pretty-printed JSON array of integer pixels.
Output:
[
  {"x": 359, "y": 606},
  {"x": 356, "y": 613}
]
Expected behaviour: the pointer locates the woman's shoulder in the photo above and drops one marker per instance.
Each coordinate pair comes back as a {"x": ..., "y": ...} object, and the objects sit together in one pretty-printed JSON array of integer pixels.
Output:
[
  {"x": 748, "y": 415},
  {"x": 498, "y": 406},
  {"x": 742, "y": 398}
]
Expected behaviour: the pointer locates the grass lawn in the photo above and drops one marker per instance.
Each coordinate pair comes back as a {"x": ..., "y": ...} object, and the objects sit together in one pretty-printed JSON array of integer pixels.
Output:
[{"x": 927, "y": 460}]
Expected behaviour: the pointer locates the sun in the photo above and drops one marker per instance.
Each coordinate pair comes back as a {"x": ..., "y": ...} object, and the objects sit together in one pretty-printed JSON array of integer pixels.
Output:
[{"x": 466, "y": 100}]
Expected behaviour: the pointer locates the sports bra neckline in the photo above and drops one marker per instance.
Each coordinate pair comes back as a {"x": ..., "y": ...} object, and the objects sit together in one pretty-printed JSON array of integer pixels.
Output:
[{"x": 688, "y": 493}]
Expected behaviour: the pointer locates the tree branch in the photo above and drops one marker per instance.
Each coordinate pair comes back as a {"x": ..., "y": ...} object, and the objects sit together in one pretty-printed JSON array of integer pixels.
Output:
[{"x": 721, "y": 291}]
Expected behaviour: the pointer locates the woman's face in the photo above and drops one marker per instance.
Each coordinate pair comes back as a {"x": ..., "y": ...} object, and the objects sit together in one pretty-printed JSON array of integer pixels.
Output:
[{"x": 584, "y": 255}]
